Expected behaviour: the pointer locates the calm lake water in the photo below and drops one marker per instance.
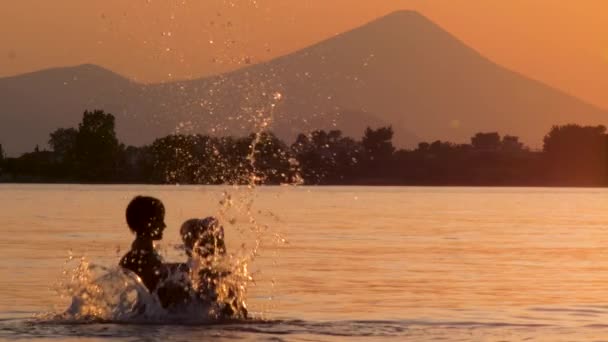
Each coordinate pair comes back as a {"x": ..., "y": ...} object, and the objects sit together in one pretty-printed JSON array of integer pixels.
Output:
[{"x": 357, "y": 263}]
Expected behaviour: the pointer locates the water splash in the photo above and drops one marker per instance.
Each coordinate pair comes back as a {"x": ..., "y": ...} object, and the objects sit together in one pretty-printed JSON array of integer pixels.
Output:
[
  {"x": 98, "y": 293},
  {"x": 237, "y": 203},
  {"x": 112, "y": 294}
]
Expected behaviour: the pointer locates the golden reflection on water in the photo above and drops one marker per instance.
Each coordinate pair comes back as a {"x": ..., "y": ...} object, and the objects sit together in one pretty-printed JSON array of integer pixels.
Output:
[{"x": 510, "y": 255}]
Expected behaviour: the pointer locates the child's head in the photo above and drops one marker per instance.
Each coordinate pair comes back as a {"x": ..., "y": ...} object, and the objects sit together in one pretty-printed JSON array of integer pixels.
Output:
[
  {"x": 204, "y": 236},
  {"x": 146, "y": 217}
]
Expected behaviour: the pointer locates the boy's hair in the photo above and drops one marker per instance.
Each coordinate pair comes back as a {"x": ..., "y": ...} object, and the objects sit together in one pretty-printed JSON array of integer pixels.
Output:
[
  {"x": 140, "y": 212},
  {"x": 206, "y": 234}
]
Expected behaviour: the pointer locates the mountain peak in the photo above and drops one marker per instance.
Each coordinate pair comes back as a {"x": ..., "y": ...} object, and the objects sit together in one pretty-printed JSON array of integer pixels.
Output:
[
  {"x": 91, "y": 67},
  {"x": 90, "y": 70},
  {"x": 83, "y": 72},
  {"x": 403, "y": 14},
  {"x": 404, "y": 17},
  {"x": 397, "y": 27}
]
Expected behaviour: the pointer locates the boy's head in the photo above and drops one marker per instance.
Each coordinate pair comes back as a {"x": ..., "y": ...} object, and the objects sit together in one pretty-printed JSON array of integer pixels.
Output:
[
  {"x": 205, "y": 236},
  {"x": 146, "y": 217}
]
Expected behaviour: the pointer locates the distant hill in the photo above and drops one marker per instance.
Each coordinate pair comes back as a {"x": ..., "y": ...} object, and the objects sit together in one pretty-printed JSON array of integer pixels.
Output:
[
  {"x": 34, "y": 104},
  {"x": 401, "y": 69}
]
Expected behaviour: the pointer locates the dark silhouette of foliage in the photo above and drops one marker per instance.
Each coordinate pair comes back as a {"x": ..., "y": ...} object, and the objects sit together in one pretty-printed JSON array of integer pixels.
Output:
[
  {"x": 137, "y": 165},
  {"x": 577, "y": 154},
  {"x": 2, "y": 166},
  {"x": 511, "y": 143},
  {"x": 326, "y": 156},
  {"x": 37, "y": 166},
  {"x": 228, "y": 161},
  {"x": 486, "y": 141},
  {"x": 260, "y": 158},
  {"x": 377, "y": 155},
  {"x": 377, "y": 144},
  {"x": 175, "y": 159},
  {"x": 572, "y": 155},
  {"x": 63, "y": 143},
  {"x": 97, "y": 147},
  {"x": 270, "y": 159}
]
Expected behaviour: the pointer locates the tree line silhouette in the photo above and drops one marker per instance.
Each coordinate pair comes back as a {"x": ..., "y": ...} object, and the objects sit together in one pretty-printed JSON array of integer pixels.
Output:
[{"x": 572, "y": 155}]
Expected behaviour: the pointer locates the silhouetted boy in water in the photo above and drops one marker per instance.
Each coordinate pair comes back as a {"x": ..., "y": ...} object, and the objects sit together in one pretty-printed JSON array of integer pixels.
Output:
[
  {"x": 146, "y": 218},
  {"x": 204, "y": 244}
]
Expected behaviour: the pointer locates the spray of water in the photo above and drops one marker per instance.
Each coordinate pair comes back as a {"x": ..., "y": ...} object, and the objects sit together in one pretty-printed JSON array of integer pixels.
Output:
[
  {"x": 100, "y": 293},
  {"x": 237, "y": 203},
  {"x": 112, "y": 294}
]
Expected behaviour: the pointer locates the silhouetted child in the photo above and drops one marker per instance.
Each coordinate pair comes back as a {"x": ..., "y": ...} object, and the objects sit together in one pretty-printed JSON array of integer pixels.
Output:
[
  {"x": 205, "y": 247},
  {"x": 146, "y": 218}
]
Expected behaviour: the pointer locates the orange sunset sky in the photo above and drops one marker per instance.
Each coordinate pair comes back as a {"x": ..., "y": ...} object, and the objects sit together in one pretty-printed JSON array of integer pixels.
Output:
[{"x": 562, "y": 43}]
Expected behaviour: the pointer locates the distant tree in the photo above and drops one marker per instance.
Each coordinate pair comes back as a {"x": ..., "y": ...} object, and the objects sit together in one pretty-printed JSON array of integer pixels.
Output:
[
  {"x": 511, "y": 143},
  {"x": 573, "y": 139},
  {"x": 176, "y": 160},
  {"x": 326, "y": 157},
  {"x": 572, "y": 155},
  {"x": 439, "y": 147},
  {"x": 136, "y": 164},
  {"x": 2, "y": 162},
  {"x": 377, "y": 144},
  {"x": 97, "y": 147},
  {"x": 377, "y": 154},
  {"x": 577, "y": 154},
  {"x": 259, "y": 158},
  {"x": 270, "y": 158},
  {"x": 423, "y": 146},
  {"x": 222, "y": 160},
  {"x": 229, "y": 160},
  {"x": 440, "y": 162},
  {"x": 34, "y": 166},
  {"x": 63, "y": 142},
  {"x": 486, "y": 141}
]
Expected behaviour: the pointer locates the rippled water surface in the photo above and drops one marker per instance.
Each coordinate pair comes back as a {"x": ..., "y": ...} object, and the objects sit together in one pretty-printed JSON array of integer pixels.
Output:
[{"x": 359, "y": 263}]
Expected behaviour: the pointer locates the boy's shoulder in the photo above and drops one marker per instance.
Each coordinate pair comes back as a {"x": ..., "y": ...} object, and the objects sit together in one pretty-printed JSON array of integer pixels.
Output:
[
  {"x": 146, "y": 264},
  {"x": 148, "y": 257}
]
